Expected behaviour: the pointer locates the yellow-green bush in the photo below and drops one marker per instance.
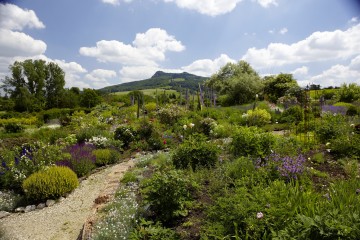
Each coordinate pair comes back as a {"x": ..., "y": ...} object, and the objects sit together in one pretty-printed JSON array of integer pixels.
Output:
[
  {"x": 105, "y": 156},
  {"x": 50, "y": 183},
  {"x": 23, "y": 121}
]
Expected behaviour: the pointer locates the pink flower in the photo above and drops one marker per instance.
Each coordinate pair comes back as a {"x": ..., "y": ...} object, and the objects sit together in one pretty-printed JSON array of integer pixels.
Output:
[{"x": 259, "y": 215}]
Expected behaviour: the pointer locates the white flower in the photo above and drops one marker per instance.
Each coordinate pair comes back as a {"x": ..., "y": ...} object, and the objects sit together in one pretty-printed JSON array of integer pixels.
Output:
[
  {"x": 185, "y": 127},
  {"x": 259, "y": 215},
  {"x": 191, "y": 125},
  {"x": 327, "y": 144}
]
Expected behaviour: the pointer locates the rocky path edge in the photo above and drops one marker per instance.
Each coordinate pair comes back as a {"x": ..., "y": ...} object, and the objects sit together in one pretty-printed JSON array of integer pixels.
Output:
[{"x": 65, "y": 220}]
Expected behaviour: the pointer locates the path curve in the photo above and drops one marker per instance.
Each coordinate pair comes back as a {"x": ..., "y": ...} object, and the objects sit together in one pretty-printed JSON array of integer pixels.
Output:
[{"x": 64, "y": 220}]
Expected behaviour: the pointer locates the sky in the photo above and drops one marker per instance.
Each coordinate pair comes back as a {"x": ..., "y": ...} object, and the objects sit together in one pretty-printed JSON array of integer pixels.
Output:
[{"x": 106, "y": 42}]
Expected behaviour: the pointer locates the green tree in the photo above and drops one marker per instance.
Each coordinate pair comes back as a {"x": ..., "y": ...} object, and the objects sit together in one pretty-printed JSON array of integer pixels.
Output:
[
  {"x": 348, "y": 93},
  {"x": 277, "y": 86},
  {"x": 238, "y": 82},
  {"x": 54, "y": 85},
  {"x": 89, "y": 98}
]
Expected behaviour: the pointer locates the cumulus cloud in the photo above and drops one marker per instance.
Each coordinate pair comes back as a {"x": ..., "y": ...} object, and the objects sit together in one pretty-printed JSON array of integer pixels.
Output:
[
  {"x": 99, "y": 77},
  {"x": 301, "y": 71},
  {"x": 15, "y": 18},
  {"x": 319, "y": 46},
  {"x": 337, "y": 75},
  {"x": 112, "y": 2},
  {"x": 207, "y": 67},
  {"x": 148, "y": 48},
  {"x": 353, "y": 20},
  {"x": 202, "y": 67},
  {"x": 267, "y": 3}
]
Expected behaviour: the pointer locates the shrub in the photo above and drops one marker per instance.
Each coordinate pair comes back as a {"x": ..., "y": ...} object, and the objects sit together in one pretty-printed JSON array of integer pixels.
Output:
[
  {"x": 126, "y": 134},
  {"x": 81, "y": 160},
  {"x": 149, "y": 230},
  {"x": 292, "y": 115},
  {"x": 51, "y": 183},
  {"x": 167, "y": 194},
  {"x": 251, "y": 141},
  {"x": 88, "y": 133},
  {"x": 332, "y": 126},
  {"x": 170, "y": 114},
  {"x": 207, "y": 125},
  {"x": 105, "y": 156},
  {"x": 13, "y": 128},
  {"x": 195, "y": 152},
  {"x": 258, "y": 117}
]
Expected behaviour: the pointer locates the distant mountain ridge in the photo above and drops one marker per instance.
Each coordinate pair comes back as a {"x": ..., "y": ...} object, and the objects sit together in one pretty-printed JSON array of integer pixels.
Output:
[{"x": 160, "y": 79}]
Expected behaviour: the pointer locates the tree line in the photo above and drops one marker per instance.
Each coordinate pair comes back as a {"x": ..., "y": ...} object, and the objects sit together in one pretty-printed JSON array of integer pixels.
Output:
[{"x": 36, "y": 85}]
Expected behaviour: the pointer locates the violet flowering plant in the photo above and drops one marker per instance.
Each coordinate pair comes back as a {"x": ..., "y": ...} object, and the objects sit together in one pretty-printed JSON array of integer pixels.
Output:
[{"x": 289, "y": 167}]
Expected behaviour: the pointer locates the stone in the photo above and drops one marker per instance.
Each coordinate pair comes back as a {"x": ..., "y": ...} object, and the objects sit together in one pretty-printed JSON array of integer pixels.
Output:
[
  {"x": 40, "y": 206},
  {"x": 4, "y": 214},
  {"x": 30, "y": 208},
  {"x": 19, "y": 209},
  {"x": 50, "y": 203},
  {"x": 102, "y": 199}
]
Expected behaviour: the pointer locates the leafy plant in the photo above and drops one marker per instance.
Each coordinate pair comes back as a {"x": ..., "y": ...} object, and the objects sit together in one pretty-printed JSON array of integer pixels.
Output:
[
  {"x": 149, "y": 230},
  {"x": 105, "y": 156},
  {"x": 126, "y": 134},
  {"x": 195, "y": 152},
  {"x": 167, "y": 193},
  {"x": 50, "y": 183}
]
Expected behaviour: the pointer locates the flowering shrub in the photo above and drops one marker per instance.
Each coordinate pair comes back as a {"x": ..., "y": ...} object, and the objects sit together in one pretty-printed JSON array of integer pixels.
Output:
[
  {"x": 81, "y": 159},
  {"x": 126, "y": 134},
  {"x": 207, "y": 125},
  {"x": 334, "y": 109},
  {"x": 99, "y": 141},
  {"x": 170, "y": 114},
  {"x": 289, "y": 167}
]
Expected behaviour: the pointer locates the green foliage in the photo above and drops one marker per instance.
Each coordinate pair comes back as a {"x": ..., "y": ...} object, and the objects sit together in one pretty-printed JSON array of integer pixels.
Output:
[
  {"x": 85, "y": 134},
  {"x": 293, "y": 114},
  {"x": 50, "y": 183},
  {"x": 129, "y": 177},
  {"x": 106, "y": 156},
  {"x": 277, "y": 86},
  {"x": 170, "y": 114},
  {"x": 89, "y": 98},
  {"x": 238, "y": 83},
  {"x": 331, "y": 126},
  {"x": 348, "y": 93},
  {"x": 13, "y": 128},
  {"x": 150, "y": 231},
  {"x": 126, "y": 134},
  {"x": 167, "y": 193},
  {"x": 251, "y": 141},
  {"x": 257, "y": 117},
  {"x": 195, "y": 152}
]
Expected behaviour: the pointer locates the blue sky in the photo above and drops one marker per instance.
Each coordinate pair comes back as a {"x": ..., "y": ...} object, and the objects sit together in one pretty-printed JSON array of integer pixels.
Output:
[{"x": 106, "y": 42}]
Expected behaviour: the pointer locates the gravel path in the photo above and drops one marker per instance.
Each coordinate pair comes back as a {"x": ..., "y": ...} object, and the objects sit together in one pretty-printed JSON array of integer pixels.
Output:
[{"x": 64, "y": 220}]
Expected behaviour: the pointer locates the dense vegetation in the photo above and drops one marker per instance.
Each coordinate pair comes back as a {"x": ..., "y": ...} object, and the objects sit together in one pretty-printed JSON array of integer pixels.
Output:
[{"x": 279, "y": 163}]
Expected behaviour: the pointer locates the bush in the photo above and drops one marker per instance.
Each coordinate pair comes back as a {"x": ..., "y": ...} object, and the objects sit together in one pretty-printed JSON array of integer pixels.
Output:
[
  {"x": 292, "y": 115},
  {"x": 13, "y": 128},
  {"x": 167, "y": 194},
  {"x": 332, "y": 126},
  {"x": 149, "y": 230},
  {"x": 195, "y": 152},
  {"x": 126, "y": 134},
  {"x": 51, "y": 183},
  {"x": 105, "y": 156},
  {"x": 81, "y": 161},
  {"x": 251, "y": 141},
  {"x": 258, "y": 117},
  {"x": 170, "y": 114}
]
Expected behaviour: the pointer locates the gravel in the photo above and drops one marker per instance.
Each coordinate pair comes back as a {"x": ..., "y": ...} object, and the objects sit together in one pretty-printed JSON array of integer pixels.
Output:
[{"x": 65, "y": 219}]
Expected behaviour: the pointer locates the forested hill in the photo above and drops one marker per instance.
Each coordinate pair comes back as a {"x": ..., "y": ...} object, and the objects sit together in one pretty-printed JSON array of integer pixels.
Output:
[{"x": 160, "y": 80}]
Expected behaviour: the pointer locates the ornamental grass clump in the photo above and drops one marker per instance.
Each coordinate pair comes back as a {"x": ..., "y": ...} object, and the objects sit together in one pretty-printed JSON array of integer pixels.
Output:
[{"x": 50, "y": 183}]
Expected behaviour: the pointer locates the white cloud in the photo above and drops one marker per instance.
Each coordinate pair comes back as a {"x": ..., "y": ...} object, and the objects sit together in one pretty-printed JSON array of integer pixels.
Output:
[
  {"x": 355, "y": 63},
  {"x": 207, "y": 7},
  {"x": 302, "y": 71},
  {"x": 112, "y": 2},
  {"x": 267, "y": 3},
  {"x": 319, "y": 46},
  {"x": 202, "y": 67},
  {"x": 148, "y": 48},
  {"x": 99, "y": 77},
  {"x": 283, "y": 31},
  {"x": 15, "y": 18},
  {"x": 19, "y": 44},
  {"x": 207, "y": 67},
  {"x": 353, "y": 20},
  {"x": 337, "y": 75}
]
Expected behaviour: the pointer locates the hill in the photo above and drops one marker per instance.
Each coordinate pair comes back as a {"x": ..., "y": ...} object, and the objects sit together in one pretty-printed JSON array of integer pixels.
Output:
[{"x": 159, "y": 80}]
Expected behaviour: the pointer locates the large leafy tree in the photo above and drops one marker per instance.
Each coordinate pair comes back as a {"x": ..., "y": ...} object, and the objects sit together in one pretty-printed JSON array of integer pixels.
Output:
[
  {"x": 277, "y": 86},
  {"x": 238, "y": 83},
  {"x": 34, "y": 85},
  {"x": 89, "y": 98}
]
